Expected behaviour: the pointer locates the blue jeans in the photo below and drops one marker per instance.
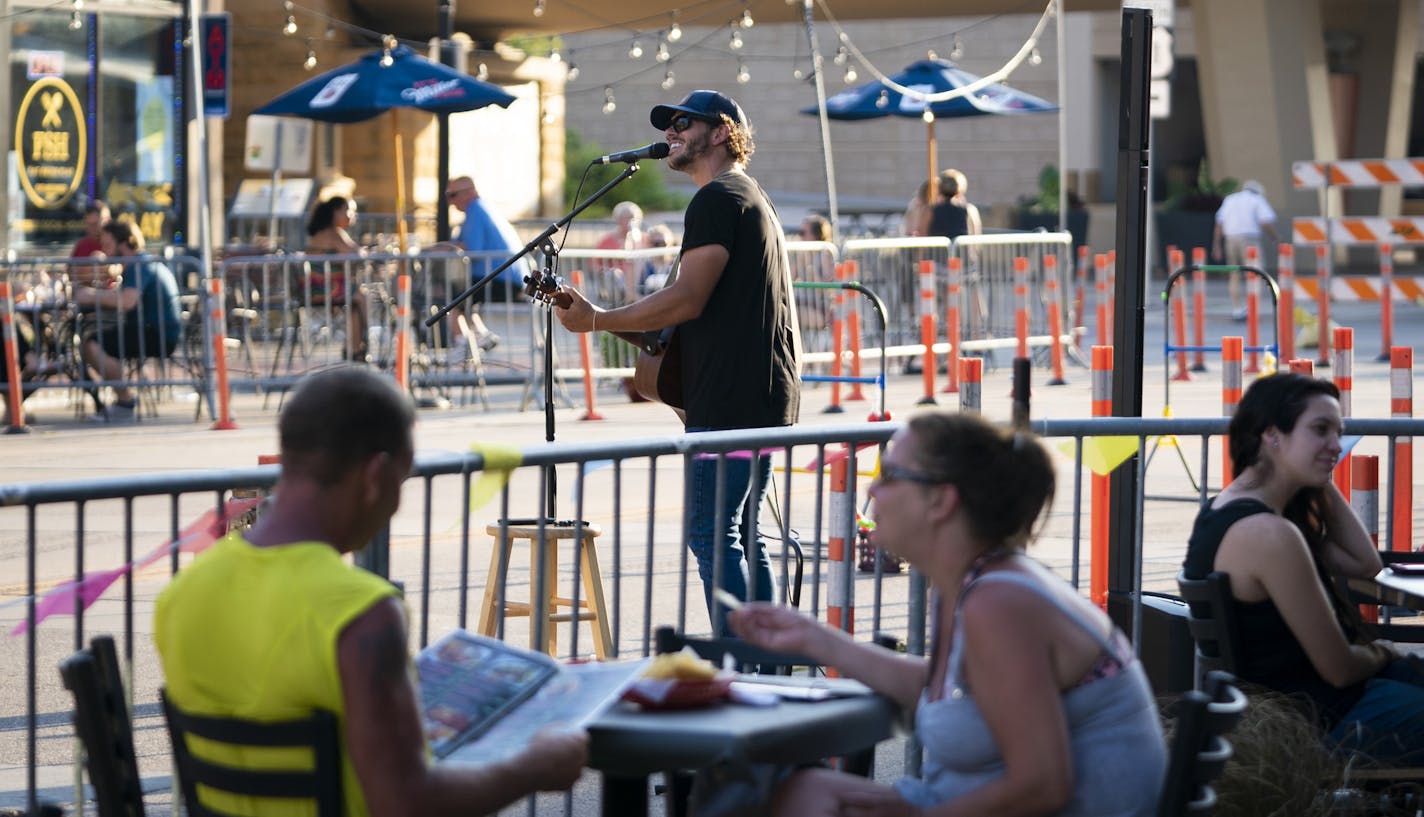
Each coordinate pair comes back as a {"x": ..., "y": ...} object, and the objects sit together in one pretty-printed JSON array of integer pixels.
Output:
[
  {"x": 1387, "y": 723},
  {"x": 718, "y": 536}
]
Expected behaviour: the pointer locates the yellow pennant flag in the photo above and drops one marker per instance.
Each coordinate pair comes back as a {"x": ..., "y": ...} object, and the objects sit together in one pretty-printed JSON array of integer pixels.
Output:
[
  {"x": 1102, "y": 454},
  {"x": 500, "y": 462}
]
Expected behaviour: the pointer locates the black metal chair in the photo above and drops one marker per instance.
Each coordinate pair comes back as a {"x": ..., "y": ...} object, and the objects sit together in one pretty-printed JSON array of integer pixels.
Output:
[
  {"x": 1212, "y": 619},
  {"x": 101, "y": 721},
  {"x": 1199, "y": 751},
  {"x": 319, "y": 783}
]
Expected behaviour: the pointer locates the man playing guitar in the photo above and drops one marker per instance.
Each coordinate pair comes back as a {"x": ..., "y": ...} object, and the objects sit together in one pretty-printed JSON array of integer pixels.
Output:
[{"x": 736, "y": 343}]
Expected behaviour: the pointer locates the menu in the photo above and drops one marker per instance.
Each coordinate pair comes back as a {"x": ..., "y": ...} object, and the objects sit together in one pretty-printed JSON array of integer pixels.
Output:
[{"x": 482, "y": 699}]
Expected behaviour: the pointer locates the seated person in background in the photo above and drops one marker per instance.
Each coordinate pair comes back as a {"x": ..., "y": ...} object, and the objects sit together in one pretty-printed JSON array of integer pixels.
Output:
[
  {"x": 141, "y": 317},
  {"x": 917, "y": 212},
  {"x": 89, "y": 245},
  {"x": 483, "y": 231},
  {"x": 1031, "y": 702},
  {"x": 627, "y": 234},
  {"x": 327, "y": 235},
  {"x": 273, "y": 622},
  {"x": 1282, "y": 531},
  {"x": 656, "y": 270}
]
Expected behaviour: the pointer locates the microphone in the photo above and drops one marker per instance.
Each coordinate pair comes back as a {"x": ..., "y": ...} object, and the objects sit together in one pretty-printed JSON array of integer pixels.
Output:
[{"x": 657, "y": 150}]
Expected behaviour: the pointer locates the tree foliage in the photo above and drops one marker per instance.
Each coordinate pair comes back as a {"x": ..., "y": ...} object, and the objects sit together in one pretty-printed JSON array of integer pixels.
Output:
[{"x": 646, "y": 188}]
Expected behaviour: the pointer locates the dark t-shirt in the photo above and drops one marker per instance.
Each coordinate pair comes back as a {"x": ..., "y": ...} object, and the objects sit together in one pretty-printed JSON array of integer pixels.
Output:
[
  {"x": 1271, "y": 655},
  {"x": 739, "y": 357},
  {"x": 949, "y": 220}
]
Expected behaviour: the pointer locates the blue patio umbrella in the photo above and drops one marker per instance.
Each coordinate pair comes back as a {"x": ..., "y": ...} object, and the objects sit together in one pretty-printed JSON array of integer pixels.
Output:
[
  {"x": 876, "y": 99},
  {"x": 367, "y": 88}
]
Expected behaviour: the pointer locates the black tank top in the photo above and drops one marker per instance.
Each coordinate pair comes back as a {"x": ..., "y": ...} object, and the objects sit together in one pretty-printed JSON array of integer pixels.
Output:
[
  {"x": 1271, "y": 655},
  {"x": 949, "y": 220}
]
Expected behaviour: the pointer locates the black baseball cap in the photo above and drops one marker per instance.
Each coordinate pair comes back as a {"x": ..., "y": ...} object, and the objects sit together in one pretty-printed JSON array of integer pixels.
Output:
[{"x": 705, "y": 105}]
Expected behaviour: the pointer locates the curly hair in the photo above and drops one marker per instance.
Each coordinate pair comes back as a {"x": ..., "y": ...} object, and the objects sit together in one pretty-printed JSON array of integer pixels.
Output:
[
  {"x": 324, "y": 214},
  {"x": 739, "y": 139}
]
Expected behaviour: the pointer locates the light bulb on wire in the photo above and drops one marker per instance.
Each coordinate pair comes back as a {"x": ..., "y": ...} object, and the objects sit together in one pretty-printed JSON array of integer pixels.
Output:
[
  {"x": 735, "y": 42},
  {"x": 609, "y": 103},
  {"x": 663, "y": 54},
  {"x": 669, "y": 80},
  {"x": 573, "y": 73},
  {"x": 746, "y": 21},
  {"x": 538, "y": 8},
  {"x": 483, "y": 73},
  {"x": 635, "y": 51},
  {"x": 675, "y": 31},
  {"x": 291, "y": 27},
  {"x": 310, "y": 62},
  {"x": 883, "y": 100},
  {"x": 388, "y": 44},
  {"x": 743, "y": 75},
  {"x": 76, "y": 17},
  {"x": 850, "y": 74},
  {"x": 1034, "y": 58},
  {"x": 841, "y": 56},
  {"x": 555, "y": 56},
  {"x": 956, "y": 51}
]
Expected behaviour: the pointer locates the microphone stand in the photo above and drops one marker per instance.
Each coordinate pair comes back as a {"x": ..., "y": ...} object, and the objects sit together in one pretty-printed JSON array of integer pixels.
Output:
[{"x": 541, "y": 288}]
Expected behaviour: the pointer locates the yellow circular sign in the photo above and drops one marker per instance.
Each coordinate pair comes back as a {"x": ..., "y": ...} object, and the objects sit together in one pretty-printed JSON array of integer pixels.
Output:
[{"x": 50, "y": 142}]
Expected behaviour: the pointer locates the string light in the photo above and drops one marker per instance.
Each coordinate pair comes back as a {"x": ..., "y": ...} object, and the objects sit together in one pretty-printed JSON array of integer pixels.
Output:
[
  {"x": 743, "y": 75},
  {"x": 388, "y": 44},
  {"x": 555, "y": 56},
  {"x": 747, "y": 21},
  {"x": 850, "y": 74},
  {"x": 291, "y": 27},
  {"x": 330, "y": 31},
  {"x": 956, "y": 51},
  {"x": 669, "y": 80},
  {"x": 538, "y": 8},
  {"x": 310, "y": 62},
  {"x": 635, "y": 51},
  {"x": 1035, "y": 58},
  {"x": 735, "y": 43},
  {"x": 483, "y": 73},
  {"x": 841, "y": 56},
  {"x": 883, "y": 101},
  {"x": 797, "y": 73},
  {"x": 663, "y": 54},
  {"x": 76, "y": 18},
  {"x": 609, "y": 103},
  {"x": 675, "y": 31},
  {"x": 573, "y": 73}
]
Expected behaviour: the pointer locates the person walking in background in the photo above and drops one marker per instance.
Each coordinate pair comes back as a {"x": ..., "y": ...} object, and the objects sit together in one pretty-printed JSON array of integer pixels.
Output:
[
  {"x": 1283, "y": 533},
  {"x": 272, "y": 622},
  {"x": 327, "y": 234},
  {"x": 737, "y": 342},
  {"x": 954, "y": 216},
  {"x": 1240, "y": 220},
  {"x": 1031, "y": 702},
  {"x": 483, "y": 231},
  {"x": 139, "y": 318}
]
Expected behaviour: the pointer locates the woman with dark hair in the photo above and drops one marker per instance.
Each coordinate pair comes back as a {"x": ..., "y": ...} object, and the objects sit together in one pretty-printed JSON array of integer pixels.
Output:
[
  {"x": 1283, "y": 532},
  {"x": 1031, "y": 702},
  {"x": 327, "y": 235}
]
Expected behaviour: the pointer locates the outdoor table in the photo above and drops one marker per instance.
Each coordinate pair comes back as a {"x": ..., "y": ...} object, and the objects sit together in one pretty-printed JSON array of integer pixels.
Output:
[
  {"x": 1393, "y": 589},
  {"x": 628, "y": 744}
]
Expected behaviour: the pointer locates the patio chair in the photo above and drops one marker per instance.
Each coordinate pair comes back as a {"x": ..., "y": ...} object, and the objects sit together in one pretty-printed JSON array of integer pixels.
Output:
[
  {"x": 102, "y": 724},
  {"x": 1199, "y": 751}
]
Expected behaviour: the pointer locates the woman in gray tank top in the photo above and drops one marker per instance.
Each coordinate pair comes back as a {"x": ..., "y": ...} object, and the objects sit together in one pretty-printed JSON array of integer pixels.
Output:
[{"x": 1031, "y": 702}]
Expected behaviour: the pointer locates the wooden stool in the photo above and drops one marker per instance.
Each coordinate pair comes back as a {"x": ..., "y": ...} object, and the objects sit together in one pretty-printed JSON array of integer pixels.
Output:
[{"x": 591, "y": 606}]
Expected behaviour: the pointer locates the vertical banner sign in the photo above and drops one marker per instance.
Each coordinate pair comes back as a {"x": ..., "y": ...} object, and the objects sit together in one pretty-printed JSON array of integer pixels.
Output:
[{"x": 217, "y": 63}]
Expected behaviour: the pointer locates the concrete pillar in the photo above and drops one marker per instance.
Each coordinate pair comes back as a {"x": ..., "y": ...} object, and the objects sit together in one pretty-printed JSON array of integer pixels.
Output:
[{"x": 1265, "y": 100}]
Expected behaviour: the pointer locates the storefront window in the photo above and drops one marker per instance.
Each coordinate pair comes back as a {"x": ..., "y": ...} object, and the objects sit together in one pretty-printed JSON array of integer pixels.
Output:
[{"x": 95, "y": 116}]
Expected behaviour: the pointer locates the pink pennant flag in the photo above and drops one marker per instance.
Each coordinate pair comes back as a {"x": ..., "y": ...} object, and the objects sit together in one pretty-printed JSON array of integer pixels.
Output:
[{"x": 195, "y": 538}]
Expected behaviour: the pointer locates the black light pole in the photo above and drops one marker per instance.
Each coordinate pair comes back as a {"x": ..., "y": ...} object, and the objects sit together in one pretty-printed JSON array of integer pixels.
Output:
[{"x": 446, "y": 26}]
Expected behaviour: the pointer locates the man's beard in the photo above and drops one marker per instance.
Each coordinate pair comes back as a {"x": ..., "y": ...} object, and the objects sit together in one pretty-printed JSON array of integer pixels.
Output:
[{"x": 692, "y": 150}]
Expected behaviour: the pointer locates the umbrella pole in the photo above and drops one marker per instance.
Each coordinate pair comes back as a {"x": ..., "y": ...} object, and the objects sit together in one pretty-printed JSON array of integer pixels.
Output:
[
  {"x": 400, "y": 181},
  {"x": 932, "y": 193}
]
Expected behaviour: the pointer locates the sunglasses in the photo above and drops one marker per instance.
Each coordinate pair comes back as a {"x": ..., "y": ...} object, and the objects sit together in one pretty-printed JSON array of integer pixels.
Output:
[
  {"x": 682, "y": 122},
  {"x": 890, "y": 473},
  {"x": 450, "y": 194}
]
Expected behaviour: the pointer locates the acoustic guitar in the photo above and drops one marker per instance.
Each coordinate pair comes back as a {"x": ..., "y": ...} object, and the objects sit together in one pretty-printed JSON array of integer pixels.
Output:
[{"x": 657, "y": 375}]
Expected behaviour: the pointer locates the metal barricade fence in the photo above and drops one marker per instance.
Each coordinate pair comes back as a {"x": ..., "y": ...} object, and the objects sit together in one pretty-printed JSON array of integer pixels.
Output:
[
  {"x": 889, "y": 266},
  {"x": 815, "y": 262},
  {"x": 80, "y": 536},
  {"x": 988, "y": 303},
  {"x": 157, "y": 354}
]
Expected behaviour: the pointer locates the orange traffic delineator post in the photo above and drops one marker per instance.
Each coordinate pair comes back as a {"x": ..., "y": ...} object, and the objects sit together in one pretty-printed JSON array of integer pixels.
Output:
[
  {"x": 840, "y": 605},
  {"x": 1179, "y": 315},
  {"x": 1021, "y": 304},
  {"x": 1386, "y": 268},
  {"x": 1322, "y": 303},
  {"x": 1099, "y": 488},
  {"x": 217, "y": 317},
  {"x": 838, "y": 305},
  {"x": 1285, "y": 305},
  {"x": 927, "y": 331},
  {"x": 1055, "y": 320},
  {"x": 971, "y": 383},
  {"x": 951, "y": 325},
  {"x": 1230, "y": 396},
  {"x": 1364, "y": 501},
  {"x": 1300, "y": 365},
  {"x": 586, "y": 359},
  {"x": 1253, "y": 313},
  {"x": 402, "y": 345},
  {"x": 15, "y": 390},
  {"x": 1344, "y": 373},
  {"x": 852, "y": 310},
  {"x": 1199, "y": 309},
  {"x": 1401, "y": 404},
  {"x": 1080, "y": 279},
  {"x": 1100, "y": 288}
]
